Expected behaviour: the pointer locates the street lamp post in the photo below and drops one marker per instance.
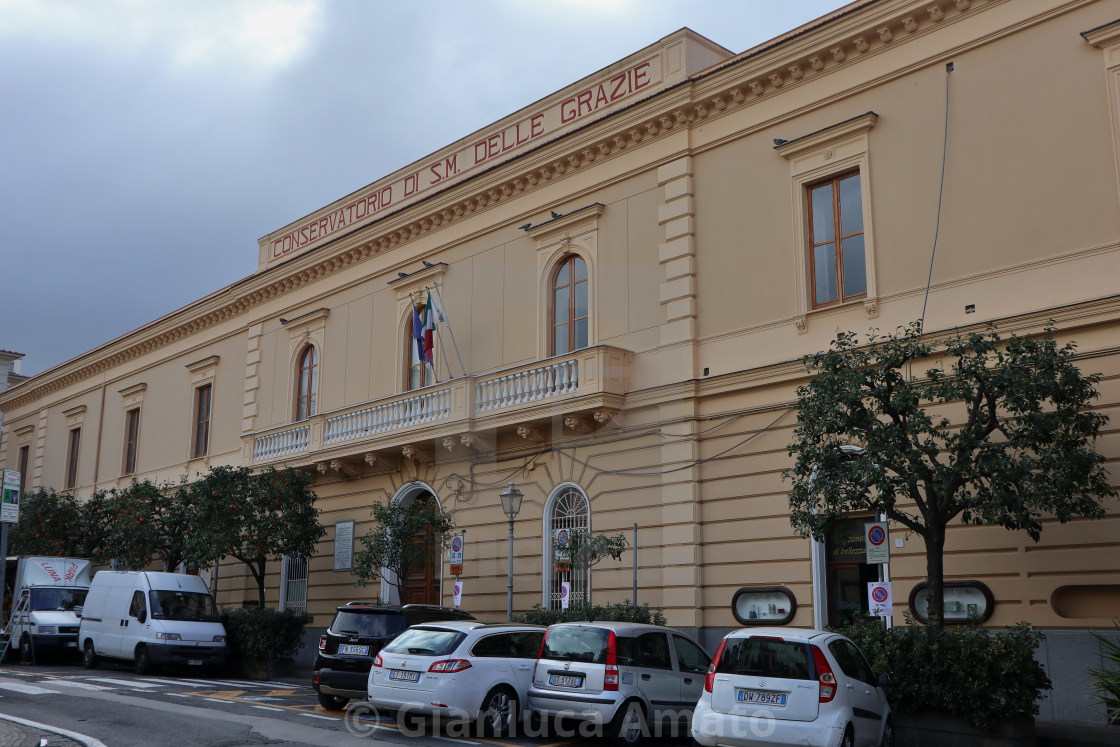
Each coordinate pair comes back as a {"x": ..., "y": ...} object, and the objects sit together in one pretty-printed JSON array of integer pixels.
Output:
[{"x": 511, "y": 506}]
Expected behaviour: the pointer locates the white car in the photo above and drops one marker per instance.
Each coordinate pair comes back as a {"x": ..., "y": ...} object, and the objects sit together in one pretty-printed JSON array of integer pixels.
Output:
[
  {"x": 457, "y": 670},
  {"x": 785, "y": 686}
]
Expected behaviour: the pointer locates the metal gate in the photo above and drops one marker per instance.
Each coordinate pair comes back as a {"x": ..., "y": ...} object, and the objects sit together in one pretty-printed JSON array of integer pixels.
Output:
[{"x": 293, "y": 584}]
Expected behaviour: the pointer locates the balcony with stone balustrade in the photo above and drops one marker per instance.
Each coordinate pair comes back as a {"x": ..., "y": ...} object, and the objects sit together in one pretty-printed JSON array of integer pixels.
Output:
[{"x": 577, "y": 393}]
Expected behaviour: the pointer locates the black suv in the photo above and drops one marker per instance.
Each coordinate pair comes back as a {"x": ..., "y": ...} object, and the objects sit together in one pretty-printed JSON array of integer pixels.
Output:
[{"x": 356, "y": 635}]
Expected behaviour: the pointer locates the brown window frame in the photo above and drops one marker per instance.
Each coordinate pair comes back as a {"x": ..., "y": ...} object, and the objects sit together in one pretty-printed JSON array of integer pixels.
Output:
[
  {"x": 203, "y": 402},
  {"x": 307, "y": 383},
  {"x": 131, "y": 440},
  {"x": 571, "y": 287},
  {"x": 74, "y": 441},
  {"x": 24, "y": 456},
  {"x": 837, "y": 239}
]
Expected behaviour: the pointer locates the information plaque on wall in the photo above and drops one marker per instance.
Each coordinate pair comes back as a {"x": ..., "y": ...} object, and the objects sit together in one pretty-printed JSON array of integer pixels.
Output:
[{"x": 344, "y": 545}]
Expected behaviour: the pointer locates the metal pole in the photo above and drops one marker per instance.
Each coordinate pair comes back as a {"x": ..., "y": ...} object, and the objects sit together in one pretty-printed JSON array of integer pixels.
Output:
[
  {"x": 635, "y": 564},
  {"x": 509, "y": 580},
  {"x": 4, "y": 567}
]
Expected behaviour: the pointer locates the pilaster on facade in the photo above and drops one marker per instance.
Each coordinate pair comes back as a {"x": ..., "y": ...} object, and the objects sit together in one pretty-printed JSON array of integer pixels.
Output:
[
  {"x": 677, "y": 255},
  {"x": 40, "y": 449},
  {"x": 252, "y": 379},
  {"x": 681, "y": 571}
]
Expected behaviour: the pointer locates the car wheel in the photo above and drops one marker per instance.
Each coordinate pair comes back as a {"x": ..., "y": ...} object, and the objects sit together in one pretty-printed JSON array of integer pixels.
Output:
[
  {"x": 89, "y": 656},
  {"x": 143, "y": 663},
  {"x": 629, "y": 725},
  {"x": 849, "y": 739},
  {"x": 888, "y": 735},
  {"x": 333, "y": 702},
  {"x": 498, "y": 712}
]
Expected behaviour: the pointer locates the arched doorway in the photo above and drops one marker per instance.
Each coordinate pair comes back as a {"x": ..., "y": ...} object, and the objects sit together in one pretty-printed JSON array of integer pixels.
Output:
[{"x": 422, "y": 586}]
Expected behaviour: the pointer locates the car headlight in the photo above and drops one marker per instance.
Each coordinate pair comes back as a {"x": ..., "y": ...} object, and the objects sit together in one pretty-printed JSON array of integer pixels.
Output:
[
  {"x": 47, "y": 630},
  {"x": 219, "y": 639},
  {"x": 169, "y": 637}
]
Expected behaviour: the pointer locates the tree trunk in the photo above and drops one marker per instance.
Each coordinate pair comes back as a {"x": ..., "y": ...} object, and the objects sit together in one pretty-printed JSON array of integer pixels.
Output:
[
  {"x": 935, "y": 574},
  {"x": 259, "y": 573}
]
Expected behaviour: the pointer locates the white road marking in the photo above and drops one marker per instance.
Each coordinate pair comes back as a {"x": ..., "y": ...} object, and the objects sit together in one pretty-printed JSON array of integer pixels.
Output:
[
  {"x": 73, "y": 683},
  {"x": 26, "y": 689},
  {"x": 124, "y": 683},
  {"x": 179, "y": 695},
  {"x": 266, "y": 708},
  {"x": 315, "y": 715},
  {"x": 217, "y": 700}
]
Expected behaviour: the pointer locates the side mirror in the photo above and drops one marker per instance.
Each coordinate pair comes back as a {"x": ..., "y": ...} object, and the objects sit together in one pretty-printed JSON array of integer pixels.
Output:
[
  {"x": 883, "y": 680},
  {"x": 141, "y": 616}
]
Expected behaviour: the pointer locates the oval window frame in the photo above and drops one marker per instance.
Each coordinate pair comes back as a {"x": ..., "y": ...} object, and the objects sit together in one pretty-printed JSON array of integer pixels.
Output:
[
  {"x": 989, "y": 601},
  {"x": 791, "y": 609}
]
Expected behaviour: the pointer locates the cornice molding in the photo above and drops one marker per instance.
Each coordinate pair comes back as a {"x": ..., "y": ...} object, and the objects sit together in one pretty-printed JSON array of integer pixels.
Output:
[{"x": 1103, "y": 36}]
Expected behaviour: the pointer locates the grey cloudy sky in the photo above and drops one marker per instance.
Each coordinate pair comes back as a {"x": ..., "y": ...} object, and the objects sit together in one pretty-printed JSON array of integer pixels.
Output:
[{"x": 145, "y": 145}]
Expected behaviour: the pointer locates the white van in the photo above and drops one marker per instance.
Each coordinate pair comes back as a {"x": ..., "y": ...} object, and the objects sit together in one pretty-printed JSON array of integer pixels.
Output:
[
  {"x": 50, "y": 594},
  {"x": 151, "y": 618}
]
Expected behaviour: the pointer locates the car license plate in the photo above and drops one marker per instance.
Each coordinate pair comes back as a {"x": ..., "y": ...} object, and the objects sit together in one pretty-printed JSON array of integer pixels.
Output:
[
  {"x": 763, "y": 698},
  {"x": 344, "y": 648},
  {"x": 194, "y": 662},
  {"x": 404, "y": 674},
  {"x": 565, "y": 680}
]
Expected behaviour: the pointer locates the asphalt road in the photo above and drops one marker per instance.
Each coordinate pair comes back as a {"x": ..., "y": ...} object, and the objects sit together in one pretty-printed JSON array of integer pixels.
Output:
[{"x": 113, "y": 705}]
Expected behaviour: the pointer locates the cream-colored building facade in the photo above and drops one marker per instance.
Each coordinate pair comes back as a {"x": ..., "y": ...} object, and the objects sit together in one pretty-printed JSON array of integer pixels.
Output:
[{"x": 630, "y": 270}]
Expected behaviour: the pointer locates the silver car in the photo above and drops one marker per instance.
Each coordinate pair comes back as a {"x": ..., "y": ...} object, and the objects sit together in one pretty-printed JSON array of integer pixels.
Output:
[{"x": 630, "y": 680}]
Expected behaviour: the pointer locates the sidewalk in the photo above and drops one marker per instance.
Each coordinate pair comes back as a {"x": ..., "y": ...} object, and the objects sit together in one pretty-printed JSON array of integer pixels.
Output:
[{"x": 14, "y": 734}]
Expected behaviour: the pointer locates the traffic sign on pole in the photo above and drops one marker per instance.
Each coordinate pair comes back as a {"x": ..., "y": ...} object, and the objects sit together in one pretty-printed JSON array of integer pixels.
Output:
[{"x": 875, "y": 539}]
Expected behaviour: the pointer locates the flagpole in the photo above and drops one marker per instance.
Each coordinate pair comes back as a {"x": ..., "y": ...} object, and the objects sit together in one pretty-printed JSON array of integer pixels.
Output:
[{"x": 447, "y": 321}]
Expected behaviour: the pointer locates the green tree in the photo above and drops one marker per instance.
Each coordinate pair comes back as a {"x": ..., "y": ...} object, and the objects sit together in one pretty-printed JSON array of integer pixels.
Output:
[
  {"x": 250, "y": 517},
  {"x": 585, "y": 550},
  {"x": 406, "y": 539},
  {"x": 996, "y": 432},
  {"x": 147, "y": 521},
  {"x": 51, "y": 523}
]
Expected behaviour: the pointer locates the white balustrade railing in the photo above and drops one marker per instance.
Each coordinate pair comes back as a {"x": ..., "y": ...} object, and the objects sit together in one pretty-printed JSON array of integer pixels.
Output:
[
  {"x": 402, "y": 413},
  {"x": 281, "y": 443},
  {"x": 550, "y": 380}
]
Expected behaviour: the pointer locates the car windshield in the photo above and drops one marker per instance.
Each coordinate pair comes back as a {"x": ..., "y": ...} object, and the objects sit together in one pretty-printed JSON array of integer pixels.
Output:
[
  {"x": 58, "y": 599},
  {"x": 183, "y": 605},
  {"x": 425, "y": 642},
  {"x": 766, "y": 657},
  {"x": 576, "y": 644},
  {"x": 369, "y": 624}
]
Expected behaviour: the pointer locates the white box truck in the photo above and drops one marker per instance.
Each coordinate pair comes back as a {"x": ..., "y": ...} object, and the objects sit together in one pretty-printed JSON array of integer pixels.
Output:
[
  {"x": 151, "y": 618},
  {"x": 50, "y": 594}
]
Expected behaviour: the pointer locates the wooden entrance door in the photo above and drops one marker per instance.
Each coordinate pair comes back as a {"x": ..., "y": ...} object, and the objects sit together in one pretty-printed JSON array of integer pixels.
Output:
[
  {"x": 422, "y": 585},
  {"x": 847, "y": 574}
]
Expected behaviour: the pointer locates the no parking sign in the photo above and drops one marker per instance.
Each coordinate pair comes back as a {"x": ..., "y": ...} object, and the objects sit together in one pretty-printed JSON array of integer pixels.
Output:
[
  {"x": 565, "y": 594},
  {"x": 879, "y": 600},
  {"x": 457, "y": 593}
]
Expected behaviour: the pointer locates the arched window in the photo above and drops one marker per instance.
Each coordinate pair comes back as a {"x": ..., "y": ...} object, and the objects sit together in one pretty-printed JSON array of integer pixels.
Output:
[
  {"x": 569, "y": 305},
  {"x": 568, "y": 509},
  {"x": 307, "y": 383},
  {"x": 419, "y": 373}
]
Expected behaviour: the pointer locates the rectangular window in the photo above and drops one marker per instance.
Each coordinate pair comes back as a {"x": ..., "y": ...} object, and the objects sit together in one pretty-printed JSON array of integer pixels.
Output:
[
  {"x": 24, "y": 452},
  {"x": 836, "y": 253},
  {"x": 132, "y": 430},
  {"x": 72, "y": 458},
  {"x": 202, "y": 420}
]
